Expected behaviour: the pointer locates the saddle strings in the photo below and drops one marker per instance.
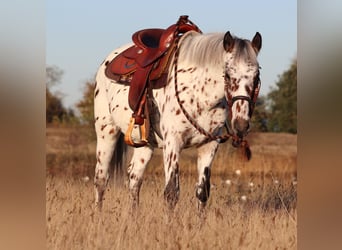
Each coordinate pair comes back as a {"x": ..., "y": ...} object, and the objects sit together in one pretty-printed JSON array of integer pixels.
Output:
[{"x": 211, "y": 137}]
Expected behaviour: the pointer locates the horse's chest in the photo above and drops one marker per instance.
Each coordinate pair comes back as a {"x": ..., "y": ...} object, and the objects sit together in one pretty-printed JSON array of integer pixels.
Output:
[{"x": 189, "y": 112}]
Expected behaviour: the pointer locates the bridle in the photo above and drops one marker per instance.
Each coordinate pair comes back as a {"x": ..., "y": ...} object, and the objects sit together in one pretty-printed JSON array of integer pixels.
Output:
[
  {"x": 250, "y": 99},
  {"x": 236, "y": 141}
]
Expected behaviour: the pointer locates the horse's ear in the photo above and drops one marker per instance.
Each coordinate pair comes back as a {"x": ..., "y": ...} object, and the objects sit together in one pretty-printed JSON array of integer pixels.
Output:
[
  {"x": 228, "y": 42},
  {"x": 256, "y": 42}
]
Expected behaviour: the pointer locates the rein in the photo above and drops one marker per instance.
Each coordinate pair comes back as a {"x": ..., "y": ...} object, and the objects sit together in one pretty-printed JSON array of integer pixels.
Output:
[{"x": 236, "y": 141}]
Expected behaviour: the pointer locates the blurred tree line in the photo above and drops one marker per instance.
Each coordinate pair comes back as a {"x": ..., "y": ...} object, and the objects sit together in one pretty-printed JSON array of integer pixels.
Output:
[
  {"x": 276, "y": 112},
  {"x": 56, "y": 113}
]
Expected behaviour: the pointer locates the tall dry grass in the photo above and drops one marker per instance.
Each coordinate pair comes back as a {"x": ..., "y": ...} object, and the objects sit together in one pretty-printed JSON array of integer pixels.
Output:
[
  {"x": 252, "y": 205},
  {"x": 72, "y": 222}
]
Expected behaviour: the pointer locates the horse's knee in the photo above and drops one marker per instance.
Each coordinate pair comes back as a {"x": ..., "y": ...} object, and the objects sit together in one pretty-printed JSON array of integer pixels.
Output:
[
  {"x": 203, "y": 188},
  {"x": 171, "y": 192}
]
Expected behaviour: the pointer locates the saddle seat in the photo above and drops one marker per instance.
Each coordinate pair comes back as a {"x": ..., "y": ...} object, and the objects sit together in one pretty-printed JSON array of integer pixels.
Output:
[
  {"x": 145, "y": 64},
  {"x": 152, "y": 44},
  {"x": 148, "y": 38}
]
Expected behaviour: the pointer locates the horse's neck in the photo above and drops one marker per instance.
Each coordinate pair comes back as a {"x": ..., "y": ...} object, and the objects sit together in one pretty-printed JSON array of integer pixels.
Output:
[
  {"x": 200, "y": 86},
  {"x": 203, "y": 73},
  {"x": 210, "y": 85}
]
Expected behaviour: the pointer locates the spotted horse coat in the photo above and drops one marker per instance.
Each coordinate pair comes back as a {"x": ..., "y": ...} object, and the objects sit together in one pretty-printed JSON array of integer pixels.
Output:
[{"x": 212, "y": 70}]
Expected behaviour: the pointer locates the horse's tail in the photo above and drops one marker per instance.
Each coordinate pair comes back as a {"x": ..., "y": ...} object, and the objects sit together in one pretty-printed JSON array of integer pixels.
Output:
[{"x": 119, "y": 161}]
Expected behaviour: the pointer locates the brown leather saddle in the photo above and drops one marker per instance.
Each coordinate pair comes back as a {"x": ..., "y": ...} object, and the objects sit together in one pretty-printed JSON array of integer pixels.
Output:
[{"x": 144, "y": 66}]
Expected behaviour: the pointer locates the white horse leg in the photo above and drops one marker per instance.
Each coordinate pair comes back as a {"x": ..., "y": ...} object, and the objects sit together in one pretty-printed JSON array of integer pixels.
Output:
[
  {"x": 107, "y": 136},
  {"x": 171, "y": 154},
  {"x": 141, "y": 156},
  {"x": 205, "y": 157}
]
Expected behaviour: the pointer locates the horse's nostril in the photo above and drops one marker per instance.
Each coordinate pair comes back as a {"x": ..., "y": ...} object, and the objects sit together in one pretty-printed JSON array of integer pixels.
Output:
[
  {"x": 241, "y": 126},
  {"x": 240, "y": 133}
]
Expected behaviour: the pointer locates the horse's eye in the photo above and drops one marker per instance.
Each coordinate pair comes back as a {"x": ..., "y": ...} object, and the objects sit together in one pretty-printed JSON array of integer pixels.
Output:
[{"x": 257, "y": 81}]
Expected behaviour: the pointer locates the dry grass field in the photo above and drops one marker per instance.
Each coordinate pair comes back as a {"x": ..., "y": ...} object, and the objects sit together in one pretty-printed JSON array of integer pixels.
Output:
[{"x": 253, "y": 205}]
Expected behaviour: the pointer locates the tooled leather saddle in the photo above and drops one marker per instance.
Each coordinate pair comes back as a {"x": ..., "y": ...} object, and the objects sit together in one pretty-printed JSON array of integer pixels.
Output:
[{"x": 144, "y": 66}]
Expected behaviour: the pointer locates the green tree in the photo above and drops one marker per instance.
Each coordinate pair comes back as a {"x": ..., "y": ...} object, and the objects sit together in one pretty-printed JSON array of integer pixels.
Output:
[
  {"x": 260, "y": 115},
  {"x": 86, "y": 105},
  {"x": 55, "y": 110},
  {"x": 283, "y": 102}
]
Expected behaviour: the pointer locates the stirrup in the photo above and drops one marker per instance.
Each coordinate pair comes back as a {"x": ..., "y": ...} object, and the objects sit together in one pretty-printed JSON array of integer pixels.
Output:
[{"x": 128, "y": 136}]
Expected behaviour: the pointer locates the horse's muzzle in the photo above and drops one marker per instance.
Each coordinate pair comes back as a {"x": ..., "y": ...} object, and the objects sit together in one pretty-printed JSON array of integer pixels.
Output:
[{"x": 241, "y": 127}]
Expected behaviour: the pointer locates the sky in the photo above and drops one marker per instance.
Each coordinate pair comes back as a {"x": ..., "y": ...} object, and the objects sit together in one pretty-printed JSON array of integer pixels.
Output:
[{"x": 81, "y": 33}]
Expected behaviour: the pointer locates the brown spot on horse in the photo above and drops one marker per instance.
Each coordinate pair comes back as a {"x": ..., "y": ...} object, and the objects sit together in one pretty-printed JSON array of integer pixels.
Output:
[{"x": 103, "y": 127}]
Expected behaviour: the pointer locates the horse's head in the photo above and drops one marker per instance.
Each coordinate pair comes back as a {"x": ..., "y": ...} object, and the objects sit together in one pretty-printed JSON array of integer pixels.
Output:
[{"x": 242, "y": 81}]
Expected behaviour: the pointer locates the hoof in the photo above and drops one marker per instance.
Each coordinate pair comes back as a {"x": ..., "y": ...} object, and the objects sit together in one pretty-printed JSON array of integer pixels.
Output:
[{"x": 203, "y": 189}]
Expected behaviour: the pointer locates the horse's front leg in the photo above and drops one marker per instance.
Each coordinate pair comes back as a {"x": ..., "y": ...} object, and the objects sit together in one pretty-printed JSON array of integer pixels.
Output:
[
  {"x": 141, "y": 156},
  {"x": 205, "y": 157},
  {"x": 171, "y": 154}
]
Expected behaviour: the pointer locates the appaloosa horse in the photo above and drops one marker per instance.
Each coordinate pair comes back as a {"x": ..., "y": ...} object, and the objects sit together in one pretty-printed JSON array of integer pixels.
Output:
[{"x": 213, "y": 81}]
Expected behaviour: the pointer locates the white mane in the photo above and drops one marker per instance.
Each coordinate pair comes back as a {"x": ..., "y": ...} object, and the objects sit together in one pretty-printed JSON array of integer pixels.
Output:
[
  {"x": 207, "y": 49},
  {"x": 203, "y": 49}
]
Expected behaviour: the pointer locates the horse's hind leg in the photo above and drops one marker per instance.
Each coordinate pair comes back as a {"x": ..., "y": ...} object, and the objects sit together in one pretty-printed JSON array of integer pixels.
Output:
[
  {"x": 107, "y": 136},
  {"x": 206, "y": 155},
  {"x": 140, "y": 158}
]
